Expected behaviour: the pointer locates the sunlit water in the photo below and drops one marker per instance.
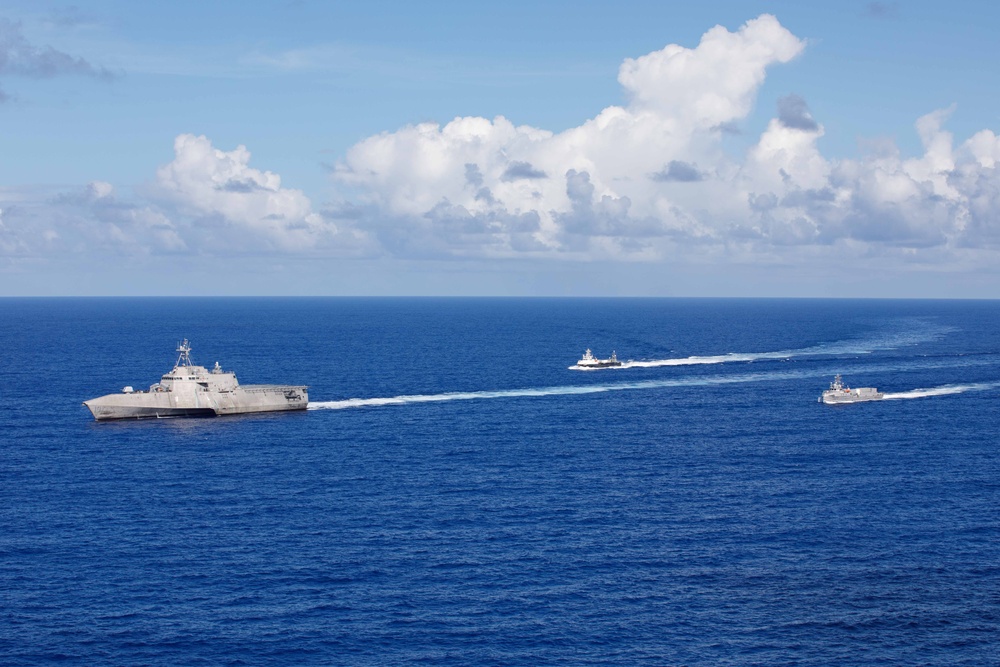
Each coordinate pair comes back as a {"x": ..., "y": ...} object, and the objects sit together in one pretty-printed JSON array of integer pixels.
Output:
[{"x": 457, "y": 495}]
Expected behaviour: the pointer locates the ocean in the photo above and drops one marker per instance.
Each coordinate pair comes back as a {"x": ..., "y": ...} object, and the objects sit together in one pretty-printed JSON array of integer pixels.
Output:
[{"x": 458, "y": 495}]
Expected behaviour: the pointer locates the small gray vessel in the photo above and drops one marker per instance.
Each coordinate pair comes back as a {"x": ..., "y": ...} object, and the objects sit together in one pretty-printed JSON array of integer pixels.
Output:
[
  {"x": 839, "y": 393},
  {"x": 194, "y": 391},
  {"x": 590, "y": 361}
]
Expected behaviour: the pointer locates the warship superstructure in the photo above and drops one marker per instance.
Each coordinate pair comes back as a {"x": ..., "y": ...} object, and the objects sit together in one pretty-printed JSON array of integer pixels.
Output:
[
  {"x": 194, "y": 391},
  {"x": 840, "y": 393},
  {"x": 590, "y": 361}
]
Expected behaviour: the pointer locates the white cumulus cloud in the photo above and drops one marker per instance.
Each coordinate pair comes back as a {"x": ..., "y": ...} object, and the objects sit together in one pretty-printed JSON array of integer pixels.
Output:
[
  {"x": 205, "y": 201},
  {"x": 650, "y": 178},
  {"x": 608, "y": 187},
  {"x": 238, "y": 204}
]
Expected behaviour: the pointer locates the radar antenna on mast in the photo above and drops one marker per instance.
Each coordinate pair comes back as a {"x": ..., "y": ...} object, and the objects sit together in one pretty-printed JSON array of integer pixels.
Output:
[{"x": 184, "y": 358}]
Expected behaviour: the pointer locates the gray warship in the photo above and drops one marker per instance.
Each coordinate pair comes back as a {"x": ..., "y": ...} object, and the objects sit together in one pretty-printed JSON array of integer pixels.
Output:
[
  {"x": 838, "y": 393},
  {"x": 590, "y": 361},
  {"x": 194, "y": 391}
]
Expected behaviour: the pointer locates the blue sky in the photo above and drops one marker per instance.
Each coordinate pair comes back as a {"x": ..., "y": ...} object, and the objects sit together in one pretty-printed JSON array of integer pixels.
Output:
[{"x": 627, "y": 149}]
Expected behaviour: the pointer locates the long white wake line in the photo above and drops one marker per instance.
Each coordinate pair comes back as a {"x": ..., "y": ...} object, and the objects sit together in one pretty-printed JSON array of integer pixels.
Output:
[
  {"x": 692, "y": 361},
  {"x": 567, "y": 390},
  {"x": 864, "y": 346},
  {"x": 547, "y": 391},
  {"x": 944, "y": 390}
]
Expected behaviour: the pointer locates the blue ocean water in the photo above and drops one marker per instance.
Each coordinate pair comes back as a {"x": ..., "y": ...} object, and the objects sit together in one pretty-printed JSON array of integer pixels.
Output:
[{"x": 457, "y": 495}]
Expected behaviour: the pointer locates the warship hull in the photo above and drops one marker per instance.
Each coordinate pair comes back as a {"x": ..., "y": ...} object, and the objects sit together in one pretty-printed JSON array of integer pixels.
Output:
[
  {"x": 194, "y": 391},
  {"x": 160, "y": 405},
  {"x": 840, "y": 394},
  {"x": 854, "y": 396},
  {"x": 590, "y": 362}
]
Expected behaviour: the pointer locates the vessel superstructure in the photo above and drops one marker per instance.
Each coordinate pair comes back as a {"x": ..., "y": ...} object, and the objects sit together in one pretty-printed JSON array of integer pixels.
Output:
[
  {"x": 590, "y": 361},
  {"x": 841, "y": 393},
  {"x": 192, "y": 391}
]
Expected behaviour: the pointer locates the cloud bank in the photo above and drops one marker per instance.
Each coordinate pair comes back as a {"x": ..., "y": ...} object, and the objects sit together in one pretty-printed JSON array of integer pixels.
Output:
[
  {"x": 642, "y": 180},
  {"x": 20, "y": 57},
  {"x": 651, "y": 180},
  {"x": 204, "y": 202}
]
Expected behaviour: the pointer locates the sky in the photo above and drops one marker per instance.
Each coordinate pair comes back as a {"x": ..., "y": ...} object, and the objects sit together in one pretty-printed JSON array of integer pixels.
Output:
[{"x": 637, "y": 148}]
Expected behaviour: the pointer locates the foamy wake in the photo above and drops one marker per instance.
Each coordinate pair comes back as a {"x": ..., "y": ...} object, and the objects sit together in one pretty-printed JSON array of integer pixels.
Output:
[
  {"x": 453, "y": 396},
  {"x": 920, "y": 333},
  {"x": 543, "y": 391},
  {"x": 944, "y": 390},
  {"x": 692, "y": 361},
  {"x": 567, "y": 390}
]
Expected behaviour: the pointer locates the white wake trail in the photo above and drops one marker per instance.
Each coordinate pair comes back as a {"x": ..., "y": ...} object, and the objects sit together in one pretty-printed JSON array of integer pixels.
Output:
[
  {"x": 454, "y": 396},
  {"x": 691, "y": 361},
  {"x": 567, "y": 390},
  {"x": 717, "y": 359},
  {"x": 944, "y": 390},
  {"x": 546, "y": 391},
  {"x": 840, "y": 348}
]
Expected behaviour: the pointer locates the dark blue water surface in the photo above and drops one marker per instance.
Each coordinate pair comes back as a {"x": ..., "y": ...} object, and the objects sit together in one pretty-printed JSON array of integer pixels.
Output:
[{"x": 457, "y": 495}]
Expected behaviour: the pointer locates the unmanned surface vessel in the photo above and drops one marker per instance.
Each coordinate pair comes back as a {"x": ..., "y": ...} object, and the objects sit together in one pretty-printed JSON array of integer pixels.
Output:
[
  {"x": 838, "y": 393},
  {"x": 194, "y": 391},
  {"x": 590, "y": 361}
]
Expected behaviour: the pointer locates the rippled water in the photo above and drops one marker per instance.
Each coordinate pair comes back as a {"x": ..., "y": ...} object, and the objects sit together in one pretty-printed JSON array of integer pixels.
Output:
[{"x": 457, "y": 495}]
